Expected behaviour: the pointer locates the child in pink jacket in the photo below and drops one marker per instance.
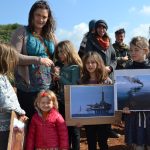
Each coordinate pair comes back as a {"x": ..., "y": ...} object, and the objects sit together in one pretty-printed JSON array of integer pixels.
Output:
[{"x": 47, "y": 130}]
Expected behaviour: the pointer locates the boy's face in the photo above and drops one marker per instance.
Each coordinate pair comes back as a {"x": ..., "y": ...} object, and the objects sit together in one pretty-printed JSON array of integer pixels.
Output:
[
  {"x": 137, "y": 54},
  {"x": 45, "y": 104}
]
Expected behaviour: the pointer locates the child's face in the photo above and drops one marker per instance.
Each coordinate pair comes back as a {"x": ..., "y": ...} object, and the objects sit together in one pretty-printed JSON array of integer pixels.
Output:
[
  {"x": 61, "y": 56},
  {"x": 91, "y": 65},
  {"x": 137, "y": 54},
  {"x": 45, "y": 104}
]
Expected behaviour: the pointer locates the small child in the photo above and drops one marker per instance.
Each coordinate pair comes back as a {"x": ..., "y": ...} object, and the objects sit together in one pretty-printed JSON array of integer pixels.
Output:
[
  {"x": 94, "y": 72},
  {"x": 8, "y": 99},
  {"x": 137, "y": 124},
  {"x": 69, "y": 74},
  {"x": 47, "y": 130}
]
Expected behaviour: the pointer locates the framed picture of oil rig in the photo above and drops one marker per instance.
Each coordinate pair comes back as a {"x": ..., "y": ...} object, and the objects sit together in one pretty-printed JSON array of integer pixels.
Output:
[
  {"x": 90, "y": 104},
  {"x": 132, "y": 89}
]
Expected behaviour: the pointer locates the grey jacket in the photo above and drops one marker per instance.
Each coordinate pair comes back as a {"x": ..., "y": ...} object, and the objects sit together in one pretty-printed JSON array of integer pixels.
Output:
[{"x": 19, "y": 39}]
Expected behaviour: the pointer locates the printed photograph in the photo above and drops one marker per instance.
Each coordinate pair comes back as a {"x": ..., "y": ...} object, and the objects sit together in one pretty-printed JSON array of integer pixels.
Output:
[
  {"x": 132, "y": 89},
  {"x": 91, "y": 101}
]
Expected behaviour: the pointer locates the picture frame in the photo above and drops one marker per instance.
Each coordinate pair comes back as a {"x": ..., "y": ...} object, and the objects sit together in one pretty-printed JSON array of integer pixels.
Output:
[
  {"x": 132, "y": 89},
  {"x": 16, "y": 138},
  {"x": 83, "y": 105}
]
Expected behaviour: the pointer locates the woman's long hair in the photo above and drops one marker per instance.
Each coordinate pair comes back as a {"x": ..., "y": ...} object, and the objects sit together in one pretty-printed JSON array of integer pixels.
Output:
[{"x": 49, "y": 28}]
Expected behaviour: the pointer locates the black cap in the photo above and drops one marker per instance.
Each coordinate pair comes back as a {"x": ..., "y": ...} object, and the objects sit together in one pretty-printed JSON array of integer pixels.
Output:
[
  {"x": 120, "y": 31},
  {"x": 101, "y": 22}
]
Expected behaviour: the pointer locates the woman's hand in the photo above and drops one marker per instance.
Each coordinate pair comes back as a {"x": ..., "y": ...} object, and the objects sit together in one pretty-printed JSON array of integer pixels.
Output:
[
  {"x": 126, "y": 110},
  {"x": 47, "y": 62}
]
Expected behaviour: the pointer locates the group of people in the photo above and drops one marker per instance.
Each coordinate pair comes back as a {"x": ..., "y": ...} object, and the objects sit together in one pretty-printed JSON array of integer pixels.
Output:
[{"x": 43, "y": 66}]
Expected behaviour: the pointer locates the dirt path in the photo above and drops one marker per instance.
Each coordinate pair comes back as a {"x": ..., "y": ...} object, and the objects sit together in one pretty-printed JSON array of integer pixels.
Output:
[{"x": 114, "y": 143}]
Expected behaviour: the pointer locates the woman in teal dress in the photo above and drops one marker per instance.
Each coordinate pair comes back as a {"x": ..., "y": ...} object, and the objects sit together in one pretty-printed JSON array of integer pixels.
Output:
[{"x": 35, "y": 46}]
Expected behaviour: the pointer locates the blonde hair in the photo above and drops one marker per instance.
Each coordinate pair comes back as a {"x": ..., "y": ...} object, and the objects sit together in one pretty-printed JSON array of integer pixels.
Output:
[
  {"x": 101, "y": 73},
  {"x": 49, "y": 94},
  {"x": 8, "y": 59},
  {"x": 140, "y": 42},
  {"x": 70, "y": 52}
]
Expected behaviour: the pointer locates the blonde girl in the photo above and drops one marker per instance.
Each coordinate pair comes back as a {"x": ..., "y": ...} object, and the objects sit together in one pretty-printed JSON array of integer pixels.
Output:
[
  {"x": 94, "y": 72},
  {"x": 8, "y": 99},
  {"x": 137, "y": 124},
  {"x": 69, "y": 74},
  {"x": 47, "y": 130}
]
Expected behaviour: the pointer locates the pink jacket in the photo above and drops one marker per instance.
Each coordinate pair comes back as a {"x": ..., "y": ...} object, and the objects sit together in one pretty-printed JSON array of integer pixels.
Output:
[{"x": 49, "y": 133}]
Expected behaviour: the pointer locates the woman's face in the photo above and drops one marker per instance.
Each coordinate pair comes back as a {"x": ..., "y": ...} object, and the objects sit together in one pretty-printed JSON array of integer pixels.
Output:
[
  {"x": 137, "y": 54},
  {"x": 101, "y": 30},
  {"x": 40, "y": 18}
]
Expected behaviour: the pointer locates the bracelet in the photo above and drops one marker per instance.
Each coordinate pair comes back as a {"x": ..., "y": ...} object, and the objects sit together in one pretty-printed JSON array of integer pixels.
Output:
[{"x": 40, "y": 60}]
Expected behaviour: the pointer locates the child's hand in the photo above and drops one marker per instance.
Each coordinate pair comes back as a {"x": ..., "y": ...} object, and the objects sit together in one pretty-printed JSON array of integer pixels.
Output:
[
  {"x": 56, "y": 73},
  {"x": 23, "y": 118},
  {"x": 126, "y": 110}
]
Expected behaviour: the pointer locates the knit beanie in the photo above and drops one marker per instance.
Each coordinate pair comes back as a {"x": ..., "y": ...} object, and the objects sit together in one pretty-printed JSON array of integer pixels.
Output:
[
  {"x": 92, "y": 25},
  {"x": 101, "y": 22}
]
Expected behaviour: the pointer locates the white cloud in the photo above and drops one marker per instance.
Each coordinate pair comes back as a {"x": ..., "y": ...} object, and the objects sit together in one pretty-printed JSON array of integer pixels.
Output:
[
  {"x": 145, "y": 10},
  {"x": 132, "y": 9},
  {"x": 75, "y": 35},
  {"x": 141, "y": 30}
]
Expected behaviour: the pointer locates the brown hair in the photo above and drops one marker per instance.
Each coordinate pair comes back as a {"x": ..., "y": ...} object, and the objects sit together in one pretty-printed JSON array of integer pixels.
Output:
[
  {"x": 140, "y": 42},
  {"x": 70, "y": 52},
  {"x": 8, "y": 59},
  {"x": 101, "y": 73},
  {"x": 49, "y": 28},
  {"x": 46, "y": 93}
]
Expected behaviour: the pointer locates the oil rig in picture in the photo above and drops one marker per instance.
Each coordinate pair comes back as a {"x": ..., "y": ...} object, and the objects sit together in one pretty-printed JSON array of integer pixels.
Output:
[{"x": 100, "y": 108}]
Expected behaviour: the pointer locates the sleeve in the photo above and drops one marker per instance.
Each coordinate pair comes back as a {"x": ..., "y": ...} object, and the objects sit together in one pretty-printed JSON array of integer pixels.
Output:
[
  {"x": 113, "y": 62},
  {"x": 18, "y": 40},
  {"x": 75, "y": 76},
  {"x": 62, "y": 132},
  {"x": 8, "y": 98},
  {"x": 30, "y": 142},
  {"x": 82, "y": 47}
]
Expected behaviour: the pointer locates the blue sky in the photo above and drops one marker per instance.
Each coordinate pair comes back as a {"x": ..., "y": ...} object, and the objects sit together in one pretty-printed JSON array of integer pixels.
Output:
[{"x": 72, "y": 16}]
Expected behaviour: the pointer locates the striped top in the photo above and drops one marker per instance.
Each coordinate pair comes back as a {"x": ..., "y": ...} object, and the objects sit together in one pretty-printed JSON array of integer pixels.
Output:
[{"x": 8, "y": 102}]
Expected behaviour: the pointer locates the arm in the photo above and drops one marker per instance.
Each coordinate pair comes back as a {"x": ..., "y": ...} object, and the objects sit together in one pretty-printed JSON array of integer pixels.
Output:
[
  {"x": 75, "y": 75},
  {"x": 8, "y": 98},
  {"x": 19, "y": 42},
  {"x": 30, "y": 143},
  {"x": 62, "y": 133},
  {"x": 113, "y": 63}
]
